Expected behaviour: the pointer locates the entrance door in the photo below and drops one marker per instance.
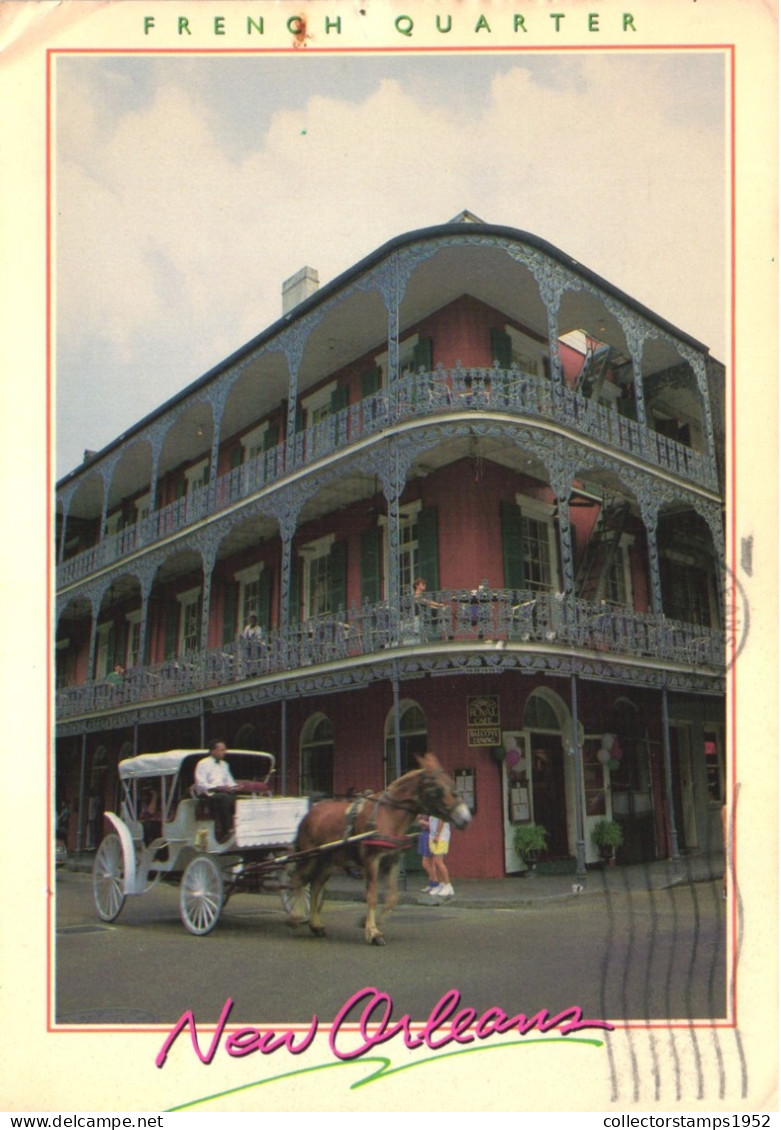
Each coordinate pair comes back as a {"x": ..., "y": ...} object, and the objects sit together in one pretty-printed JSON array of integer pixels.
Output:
[{"x": 549, "y": 801}]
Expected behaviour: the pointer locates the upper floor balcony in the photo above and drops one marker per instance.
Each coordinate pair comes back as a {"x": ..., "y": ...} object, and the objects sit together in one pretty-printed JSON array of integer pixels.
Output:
[
  {"x": 418, "y": 397},
  {"x": 449, "y": 623}
]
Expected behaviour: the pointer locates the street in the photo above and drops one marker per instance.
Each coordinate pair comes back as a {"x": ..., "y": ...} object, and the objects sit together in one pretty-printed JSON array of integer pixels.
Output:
[{"x": 649, "y": 955}]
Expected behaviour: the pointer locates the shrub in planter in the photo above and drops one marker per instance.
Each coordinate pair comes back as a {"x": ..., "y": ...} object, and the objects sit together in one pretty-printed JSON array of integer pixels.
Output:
[
  {"x": 530, "y": 840},
  {"x": 607, "y": 836}
]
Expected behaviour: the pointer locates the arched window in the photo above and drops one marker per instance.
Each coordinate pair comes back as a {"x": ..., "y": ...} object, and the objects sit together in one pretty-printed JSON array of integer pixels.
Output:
[
  {"x": 539, "y": 714},
  {"x": 414, "y": 738},
  {"x": 317, "y": 757},
  {"x": 245, "y": 737}
]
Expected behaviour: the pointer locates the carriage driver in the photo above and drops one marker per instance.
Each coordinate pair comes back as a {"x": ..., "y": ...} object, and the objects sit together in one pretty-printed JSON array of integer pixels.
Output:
[{"x": 212, "y": 778}]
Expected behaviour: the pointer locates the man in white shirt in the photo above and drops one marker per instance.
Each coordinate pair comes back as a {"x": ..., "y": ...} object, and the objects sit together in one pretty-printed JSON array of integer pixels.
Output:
[{"x": 212, "y": 778}]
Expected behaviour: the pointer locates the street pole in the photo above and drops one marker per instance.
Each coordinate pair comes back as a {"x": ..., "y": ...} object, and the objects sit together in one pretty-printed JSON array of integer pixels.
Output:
[
  {"x": 580, "y": 792},
  {"x": 283, "y": 743},
  {"x": 668, "y": 773}
]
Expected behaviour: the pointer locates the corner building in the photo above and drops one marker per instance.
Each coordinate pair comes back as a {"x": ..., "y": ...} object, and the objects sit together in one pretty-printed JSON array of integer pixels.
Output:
[{"x": 471, "y": 406}]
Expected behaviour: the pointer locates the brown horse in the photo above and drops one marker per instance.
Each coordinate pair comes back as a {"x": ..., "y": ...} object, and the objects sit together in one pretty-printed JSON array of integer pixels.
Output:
[{"x": 386, "y": 817}]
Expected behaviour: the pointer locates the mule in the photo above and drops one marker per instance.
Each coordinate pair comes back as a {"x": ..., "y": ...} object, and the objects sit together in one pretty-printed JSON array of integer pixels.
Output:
[{"x": 383, "y": 820}]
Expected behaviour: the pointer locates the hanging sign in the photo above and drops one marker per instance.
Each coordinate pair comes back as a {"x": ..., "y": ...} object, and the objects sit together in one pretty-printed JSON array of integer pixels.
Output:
[{"x": 482, "y": 720}]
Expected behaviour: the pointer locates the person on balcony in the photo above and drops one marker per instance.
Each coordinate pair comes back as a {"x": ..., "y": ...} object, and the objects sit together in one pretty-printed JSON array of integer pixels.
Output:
[
  {"x": 214, "y": 780},
  {"x": 424, "y": 608},
  {"x": 251, "y": 638}
]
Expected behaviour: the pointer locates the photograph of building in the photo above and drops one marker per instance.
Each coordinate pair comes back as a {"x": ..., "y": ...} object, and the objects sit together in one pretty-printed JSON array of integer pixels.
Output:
[{"x": 467, "y": 407}]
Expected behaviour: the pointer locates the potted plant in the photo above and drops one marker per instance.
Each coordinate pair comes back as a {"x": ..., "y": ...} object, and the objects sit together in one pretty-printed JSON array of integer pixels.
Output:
[
  {"x": 530, "y": 840},
  {"x": 607, "y": 836}
]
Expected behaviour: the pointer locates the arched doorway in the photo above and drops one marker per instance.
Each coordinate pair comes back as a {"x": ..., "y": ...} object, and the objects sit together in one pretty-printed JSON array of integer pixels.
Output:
[
  {"x": 317, "y": 758},
  {"x": 630, "y": 782},
  {"x": 543, "y": 722},
  {"x": 413, "y": 730},
  {"x": 245, "y": 737},
  {"x": 538, "y": 781}
]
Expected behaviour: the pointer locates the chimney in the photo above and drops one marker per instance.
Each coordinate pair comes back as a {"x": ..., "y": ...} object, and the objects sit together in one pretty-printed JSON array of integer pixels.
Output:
[{"x": 298, "y": 287}]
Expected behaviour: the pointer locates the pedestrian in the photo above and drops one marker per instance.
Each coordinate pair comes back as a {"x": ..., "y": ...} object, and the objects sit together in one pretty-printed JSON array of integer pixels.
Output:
[
  {"x": 439, "y": 840},
  {"x": 424, "y": 851}
]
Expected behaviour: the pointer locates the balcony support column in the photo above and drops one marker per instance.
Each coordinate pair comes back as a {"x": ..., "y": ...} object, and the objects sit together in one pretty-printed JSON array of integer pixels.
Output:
[
  {"x": 635, "y": 332},
  {"x": 82, "y": 794},
  {"x": 561, "y": 475},
  {"x": 207, "y": 545},
  {"x": 650, "y": 516}
]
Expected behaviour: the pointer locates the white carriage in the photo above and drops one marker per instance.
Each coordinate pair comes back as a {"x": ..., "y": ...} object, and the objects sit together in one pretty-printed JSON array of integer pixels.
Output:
[{"x": 166, "y": 830}]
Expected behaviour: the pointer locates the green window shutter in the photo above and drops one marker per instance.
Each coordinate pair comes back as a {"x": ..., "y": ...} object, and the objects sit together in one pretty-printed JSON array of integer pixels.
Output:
[
  {"x": 501, "y": 348},
  {"x": 120, "y": 644},
  {"x": 422, "y": 357},
  {"x": 339, "y": 399},
  {"x": 512, "y": 546},
  {"x": 230, "y": 607},
  {"x": 236, "y": 457},
  {"x": 264, "y": 600},
  {"x": 370, "y": 382},
  {"x": 428, "y": 547},
  {"x": 295, "y": 588},
  {"x": 371, "y": 565},
  {"x": 271, "y": 437},
  {"x": 171, "y": 631},
  {"x": 338, "y": 575},
  {"x": 299, "y": 418},
  {"x": 181, "y": 487}
]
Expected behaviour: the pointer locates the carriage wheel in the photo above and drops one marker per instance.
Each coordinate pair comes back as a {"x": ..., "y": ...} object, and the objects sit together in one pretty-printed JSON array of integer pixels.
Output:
[
  {"x": 201, "y": 895},
  {"x": 289, "y": 901},
  {"x": 108, "y": 878}
]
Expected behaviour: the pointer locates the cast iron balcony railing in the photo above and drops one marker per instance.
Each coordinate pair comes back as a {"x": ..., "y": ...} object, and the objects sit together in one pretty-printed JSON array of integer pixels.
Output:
[
  {"x": 490, "y": 618},
  {"x": 417, "y": 395}
]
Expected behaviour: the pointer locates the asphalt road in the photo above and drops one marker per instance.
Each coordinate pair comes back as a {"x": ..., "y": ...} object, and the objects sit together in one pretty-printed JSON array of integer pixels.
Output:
[{"x": 634, "y": 956}]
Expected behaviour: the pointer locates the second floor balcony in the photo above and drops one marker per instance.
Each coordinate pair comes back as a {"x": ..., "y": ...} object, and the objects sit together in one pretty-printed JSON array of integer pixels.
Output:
[{"x": 448, "y": 622}]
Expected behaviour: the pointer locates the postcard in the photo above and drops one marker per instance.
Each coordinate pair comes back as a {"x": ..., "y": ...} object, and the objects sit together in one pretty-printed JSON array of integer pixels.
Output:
[{"x": 391, "y": 422}]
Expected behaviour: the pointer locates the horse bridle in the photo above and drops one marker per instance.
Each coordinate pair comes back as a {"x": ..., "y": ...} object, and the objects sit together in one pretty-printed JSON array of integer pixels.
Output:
[{"x": 412, "y": 806}]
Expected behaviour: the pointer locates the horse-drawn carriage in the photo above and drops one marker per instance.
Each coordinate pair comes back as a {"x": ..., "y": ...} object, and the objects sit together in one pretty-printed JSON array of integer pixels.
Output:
[{"x": 166, "y": 829}]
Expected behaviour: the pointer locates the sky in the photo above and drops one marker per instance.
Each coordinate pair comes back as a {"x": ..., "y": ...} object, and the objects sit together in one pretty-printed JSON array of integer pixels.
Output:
[{"x": 188, "y": 188}]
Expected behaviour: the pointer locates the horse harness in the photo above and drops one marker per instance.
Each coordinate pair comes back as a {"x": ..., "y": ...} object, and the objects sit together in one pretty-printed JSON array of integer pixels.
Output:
[{"x": 382, "y": 839}]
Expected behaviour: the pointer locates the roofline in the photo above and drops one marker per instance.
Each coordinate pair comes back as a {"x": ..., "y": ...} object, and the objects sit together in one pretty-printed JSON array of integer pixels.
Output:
[{"x": 328, "y": 290}]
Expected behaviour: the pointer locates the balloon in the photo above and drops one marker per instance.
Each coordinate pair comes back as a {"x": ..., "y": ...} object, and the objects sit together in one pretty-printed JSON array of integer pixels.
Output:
[
  {"x": 513, "y": 757},
  {"x": 604, "y": 756},
  {"x": 612, "y": 764}
]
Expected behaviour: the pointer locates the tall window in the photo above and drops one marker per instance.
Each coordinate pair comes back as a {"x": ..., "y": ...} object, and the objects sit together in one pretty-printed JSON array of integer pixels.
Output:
[
  {"x": 249, "y": 592},
  {"x": 190, "y": 621},
  {"x": 618, "y": 584},
  {"x": 104, "y": 658},
  {"x": 538, "y": 537},
  {"x": 408, "y": 547},
  {"x": 132, "y": 656},
  {"x": 197, "y": 475},
  {"x": 317, "y": 757}
]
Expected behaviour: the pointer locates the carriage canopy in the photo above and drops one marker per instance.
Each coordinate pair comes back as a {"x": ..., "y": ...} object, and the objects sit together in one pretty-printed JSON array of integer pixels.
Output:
[{"x": 169, "y": 763}]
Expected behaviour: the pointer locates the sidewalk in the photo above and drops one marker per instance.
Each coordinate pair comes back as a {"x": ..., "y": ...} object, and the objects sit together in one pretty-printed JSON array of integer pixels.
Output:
[{"x": 517, "y": 890}]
